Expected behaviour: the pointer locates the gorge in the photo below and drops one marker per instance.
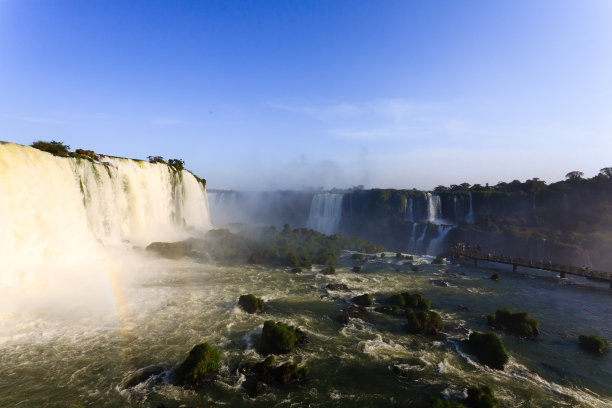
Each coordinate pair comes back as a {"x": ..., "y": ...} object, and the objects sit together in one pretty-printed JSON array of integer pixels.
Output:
[{"x": 88, "y": 317}]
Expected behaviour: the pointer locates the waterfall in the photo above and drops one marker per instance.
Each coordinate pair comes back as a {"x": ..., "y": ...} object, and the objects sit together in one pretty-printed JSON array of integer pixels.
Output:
[
  {"x": 225, "y": 208},
  {"x": 470, "y": 216},
  {"x": 419, "y": 244},
  {"x": 59, "y": 211},
  {"x": 434, "y": 209},
  {"x": 435, "y": 245},
  {"x": 412, "y": 240},
  {"x": 325, "y": 213},
  {"x": 409, "y": 212}
]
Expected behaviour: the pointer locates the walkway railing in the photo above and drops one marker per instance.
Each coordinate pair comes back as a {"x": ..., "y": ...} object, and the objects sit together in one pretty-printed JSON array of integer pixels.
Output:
[{"x": 476, "y": 255}]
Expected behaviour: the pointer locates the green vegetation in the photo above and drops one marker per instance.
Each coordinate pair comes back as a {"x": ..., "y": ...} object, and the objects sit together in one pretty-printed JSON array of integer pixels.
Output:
[
  {"x": 328, "y": 270},
  {"x": 444, "y": 403},
  {"x": 200, "y": 366},
  {"x": 267, "y": 373},
  {"x": 53, "y": 147},
  {"x": 489, "y": 349},
  {"x": 364, "y": 300},
  {"x": 519, "y": 324},
  {"x": 289, "y": 373},
  {"x": 392, "y": 310},
  {"x": 593, "y": 343},
  {"x": 357, "y": 256},
  {"x": 156, "y": 159},
  {"x": 405, "y": 299},
  {"x": 176, "y": 164},
  {"x": 423, "y": 322},
  {"x": 481, "y": 397},
  {"x": 278, "y": 338},
  {"x": 251, "y": 304},
  {"x": 439, "y": 260},
  {"x": 294, "y": 248},
  {"x": 356, "y": 268}
]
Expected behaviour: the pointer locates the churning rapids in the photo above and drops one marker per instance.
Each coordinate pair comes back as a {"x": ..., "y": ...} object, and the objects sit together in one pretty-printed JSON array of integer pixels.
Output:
[{"x": 84, "y": 309}]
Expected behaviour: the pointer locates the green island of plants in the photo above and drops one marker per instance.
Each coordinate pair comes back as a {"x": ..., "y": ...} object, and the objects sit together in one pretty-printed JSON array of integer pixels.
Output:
[
  {"x": 593, "y": 343},
  {"x": 251, "y": 304},
  {"x": 278, "y": 338},
  {"x": 519, "y": 324},
  {"x": 297, "y": 248},
  {"x": 489, "y": 349},
  {"x": 200, "y": 366}
]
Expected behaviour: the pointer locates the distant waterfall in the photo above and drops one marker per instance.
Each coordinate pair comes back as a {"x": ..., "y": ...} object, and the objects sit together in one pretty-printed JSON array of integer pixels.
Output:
[
  {"x": 409, "y": 212},
  {"x": 434, "y": 209},
  {"x": 470, "y": 216},
  {"x": 59, "y": 211},
  {"x": 435, "y": 245},
  {"x": 325, "y": 213}
]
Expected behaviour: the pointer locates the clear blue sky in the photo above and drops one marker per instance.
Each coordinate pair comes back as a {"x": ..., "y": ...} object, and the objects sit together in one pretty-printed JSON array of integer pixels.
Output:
[{"x": 278, "y": 94}]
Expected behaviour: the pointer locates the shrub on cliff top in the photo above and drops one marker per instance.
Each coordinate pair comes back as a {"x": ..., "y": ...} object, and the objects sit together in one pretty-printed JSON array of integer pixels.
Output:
[
  {"x": 200, "y": 366},
  {"x": 53, "y": 147}
]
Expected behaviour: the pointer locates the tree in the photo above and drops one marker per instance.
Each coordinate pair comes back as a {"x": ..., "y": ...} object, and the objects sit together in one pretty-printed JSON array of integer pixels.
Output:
[
  {"x": 53, "y": 147},
  {"x": 156, "y": 159},
  {"x": 178, "y": 164},
  {"x": 606, "y": 172},
  {"x": 574, "y": 175},
  {"x": 440, "y": 189}
]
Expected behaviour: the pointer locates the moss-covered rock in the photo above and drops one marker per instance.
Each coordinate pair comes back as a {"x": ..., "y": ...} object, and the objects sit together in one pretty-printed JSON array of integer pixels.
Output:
[
  {"x": 495, "y": 277},
  {"x": 356, "y": 268},
  {"x": 296, "y": 270},
  {"x": 481, "y": 397},
  {"x": 337, "y": 287},
  {"x": 423, "y": 322},
  {"x": 519, "y": 324},
  {"x": 489, "y": 349},
  {"x": 266, "y": 373},
  {"x": 328, "y": 270},
  {"x": 444, "y": 403},
  {"x": 251, "y": 304},
  {"x": 439, "y": 260},
  {"x": 392, "y": 310},
  {"x": 355, "y": 312},
  {"x": 364, "y": 300},
  {"x": 278, "y": 338},
  {"x": 357, "y": 256},
  {"x": 200, "y": 366},
  {"x": 289, "y": 373},
  {"x": 414, "y": 301},
  {"x": 396, "y": 300},
  {"x": 593, "y": 343}
]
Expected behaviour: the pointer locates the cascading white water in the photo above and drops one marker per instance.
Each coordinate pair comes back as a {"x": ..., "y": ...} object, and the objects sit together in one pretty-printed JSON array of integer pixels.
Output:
[
  {"x": 57, "y": 212},
  {"x": 470, "y": 216},
  {"x": 325, "y": 213},
  {"x": 435, "y": 245},
  {"x": 434, "y": 209},
  {"x": 409, "y": 212}
]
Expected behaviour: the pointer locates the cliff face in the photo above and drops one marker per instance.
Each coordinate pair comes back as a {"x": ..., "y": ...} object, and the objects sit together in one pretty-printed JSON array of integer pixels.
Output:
[{"x": 568, "y": 222}]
